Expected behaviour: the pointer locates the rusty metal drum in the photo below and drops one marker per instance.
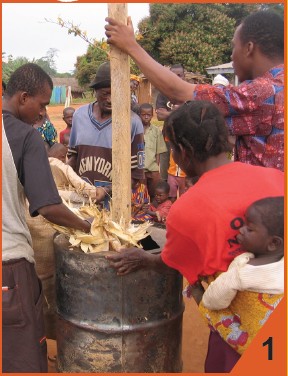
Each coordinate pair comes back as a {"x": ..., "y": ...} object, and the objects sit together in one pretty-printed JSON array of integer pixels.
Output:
[{"x": 108, "y": 323}]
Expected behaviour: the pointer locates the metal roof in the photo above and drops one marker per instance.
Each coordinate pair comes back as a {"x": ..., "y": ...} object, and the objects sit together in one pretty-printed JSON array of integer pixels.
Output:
[{"x": 222, "y": 68}]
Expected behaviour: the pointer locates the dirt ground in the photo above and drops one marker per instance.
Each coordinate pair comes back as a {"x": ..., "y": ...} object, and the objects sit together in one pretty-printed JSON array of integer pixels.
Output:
[
  {"x": 56, "y": 113},
  {"x": 195, "y": 330}
]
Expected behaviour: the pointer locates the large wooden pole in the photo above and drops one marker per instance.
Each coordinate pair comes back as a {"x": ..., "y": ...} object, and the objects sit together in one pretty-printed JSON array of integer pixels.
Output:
[{"x": 121, "y": 133}]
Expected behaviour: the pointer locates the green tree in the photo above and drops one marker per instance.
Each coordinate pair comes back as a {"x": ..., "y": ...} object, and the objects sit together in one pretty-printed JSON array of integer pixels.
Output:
[
  {"x": 47, "y": 63},
  {"x": 11, "y": 65},
  {"x": 87, "y": 64},
  {"x": 277, "y": 8},
  {"x": 196, "y": 35},
  {"x": 238, "y": 11},
  {"x": 97, "y": 52}
]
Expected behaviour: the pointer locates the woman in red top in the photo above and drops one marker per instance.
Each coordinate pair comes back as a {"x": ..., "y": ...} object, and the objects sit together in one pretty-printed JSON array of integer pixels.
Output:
[{"x": 203, "y": 223}]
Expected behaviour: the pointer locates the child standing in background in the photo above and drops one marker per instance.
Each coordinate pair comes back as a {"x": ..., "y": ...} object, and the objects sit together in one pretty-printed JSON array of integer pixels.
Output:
[
  {"x": 154, "y": 146},
  {"x": 176, "y": 180},
  {"x": 64, "y": 135}
]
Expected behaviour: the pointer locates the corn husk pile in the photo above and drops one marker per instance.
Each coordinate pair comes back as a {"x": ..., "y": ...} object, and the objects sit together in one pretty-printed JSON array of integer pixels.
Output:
[{"x": 105, "y": 235}]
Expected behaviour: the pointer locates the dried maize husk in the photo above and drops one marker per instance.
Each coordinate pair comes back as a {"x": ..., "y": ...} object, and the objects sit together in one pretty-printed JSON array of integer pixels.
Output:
[{"x": 105, "y": 234}]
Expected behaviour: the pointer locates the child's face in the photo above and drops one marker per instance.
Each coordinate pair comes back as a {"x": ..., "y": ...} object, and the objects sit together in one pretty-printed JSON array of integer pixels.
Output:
[
  {"x": 134, "y": 85},
  {"x": 160, "y": 195},
  {"x": 146, "y": 115},
  {"x": 254, "y": 235},
  {"x": 68, "y": 115}
]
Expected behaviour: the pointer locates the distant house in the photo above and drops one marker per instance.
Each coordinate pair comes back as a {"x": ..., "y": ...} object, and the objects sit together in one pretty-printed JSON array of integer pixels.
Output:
[
  {"x": 61, "y": 89},
  {"x": 222, "y": 69}
]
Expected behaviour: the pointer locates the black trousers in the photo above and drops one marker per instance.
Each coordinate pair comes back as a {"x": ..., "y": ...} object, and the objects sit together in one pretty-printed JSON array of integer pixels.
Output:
[{"x": 24, "y": 347}]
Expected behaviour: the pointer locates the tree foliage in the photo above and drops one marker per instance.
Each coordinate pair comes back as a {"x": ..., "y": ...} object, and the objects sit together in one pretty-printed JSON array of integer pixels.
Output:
[
  {"x": 196, "y": 35},
  {"x": 47, "y": 63},
  {"x": 11, "y": 65},
  {"x": 239, "y": 11},
  {"x": 87, "y": 64}
]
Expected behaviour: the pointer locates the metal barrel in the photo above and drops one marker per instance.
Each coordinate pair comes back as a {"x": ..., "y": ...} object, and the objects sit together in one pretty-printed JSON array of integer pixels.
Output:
[{"x": 108, "y": 323}]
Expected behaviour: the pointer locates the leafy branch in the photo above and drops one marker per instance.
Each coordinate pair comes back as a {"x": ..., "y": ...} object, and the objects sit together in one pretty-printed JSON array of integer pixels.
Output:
[{"x": 75, "y": 29}]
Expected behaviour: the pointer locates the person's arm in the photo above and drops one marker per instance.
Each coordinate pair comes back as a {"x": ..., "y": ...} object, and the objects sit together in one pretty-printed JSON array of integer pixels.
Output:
[
  {"x": 131, "y": 259},
  {"x": 149, "y": 209},
  {"x": 222, "y": 291},
  {"x": 152, "y": 213},
  {"x": 122, "y": 36},
  {"x": 136, "y": 208},
  {"x": 72, "y": 153},
  {"x": 62, "y": 216},
  {"x": 164, "y": 208},
  {"x": 137, "y": 147},
  {"x": 195, "y": 291}
]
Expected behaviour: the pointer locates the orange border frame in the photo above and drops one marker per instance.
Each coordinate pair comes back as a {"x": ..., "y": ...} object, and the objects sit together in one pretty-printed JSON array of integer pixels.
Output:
[{"x": 254, "y": 361}]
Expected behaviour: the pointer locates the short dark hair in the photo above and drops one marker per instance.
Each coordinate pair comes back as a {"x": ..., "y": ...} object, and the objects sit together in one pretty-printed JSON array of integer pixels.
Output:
[
  {"x": 163, "y": 185},
  {"x": 199, "y": 127},
  {"x": 145, "y": 106},
  {"x": 29, "y": 78},
  {"x": 55, "y": 149},
  {"x": 271, "y": 210},
  {"x": 266, "y": 29},
  {"x": 66, "y": 109}
]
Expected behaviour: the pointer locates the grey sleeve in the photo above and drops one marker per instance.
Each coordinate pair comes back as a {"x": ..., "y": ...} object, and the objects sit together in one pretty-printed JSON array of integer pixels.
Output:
[{"x": 38, "y": 182}]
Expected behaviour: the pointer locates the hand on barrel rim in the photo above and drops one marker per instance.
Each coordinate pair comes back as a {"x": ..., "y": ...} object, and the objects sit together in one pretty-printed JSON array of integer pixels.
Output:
[{"x": 128, "y": 260}]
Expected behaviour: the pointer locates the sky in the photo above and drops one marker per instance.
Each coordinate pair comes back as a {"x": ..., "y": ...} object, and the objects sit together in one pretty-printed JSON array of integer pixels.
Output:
[{"x": 26, "y": 33}]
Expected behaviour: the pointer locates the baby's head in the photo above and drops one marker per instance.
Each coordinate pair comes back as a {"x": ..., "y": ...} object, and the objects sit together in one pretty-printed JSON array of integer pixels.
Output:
[
  {"x": 58, "y": 151},
  {"x": 162, "y": 190},
  {"x": 263, "y": 231}
]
